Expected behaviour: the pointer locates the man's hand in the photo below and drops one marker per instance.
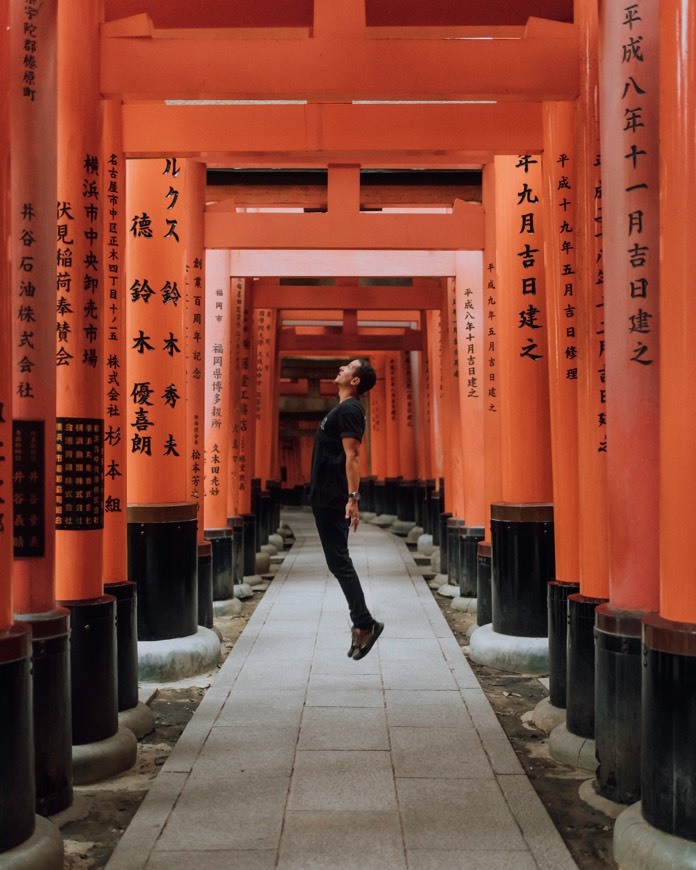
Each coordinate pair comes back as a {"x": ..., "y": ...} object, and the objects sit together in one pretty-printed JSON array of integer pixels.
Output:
[{"x": 352, "y": 513}]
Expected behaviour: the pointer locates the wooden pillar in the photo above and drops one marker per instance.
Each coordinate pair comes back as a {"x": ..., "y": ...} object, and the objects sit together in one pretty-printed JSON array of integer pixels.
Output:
[
  {"x": 162, "y": 520},
  {"x": 669, "y": 638},
  {"x": 560, "y": 202},
  {"x": 629, "y": 121},
  {"x": 405, "y": 416},
  {"x": 235, "y": 374},
  {"x": 264, "y": 332},
  {"x": 80, "y": 375},
  {"x": 491, "y": 415},
  {"x": 247, "y": 403},
  {"x": 434, "y": 339},
  {"x": 470, "y": 325},
  {"x": 115, "y": 407},
  {"x": 378, "y": 412},
  {"x": 522, "y": 523},
  {"x": 17, "y": 791},
  {"x": 425, "y": 407},
  {"x": 218, "y": 419}
]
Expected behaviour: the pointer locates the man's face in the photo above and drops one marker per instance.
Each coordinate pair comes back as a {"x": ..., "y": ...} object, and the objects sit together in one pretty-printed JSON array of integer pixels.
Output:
[{"x": 347, "y": 372}]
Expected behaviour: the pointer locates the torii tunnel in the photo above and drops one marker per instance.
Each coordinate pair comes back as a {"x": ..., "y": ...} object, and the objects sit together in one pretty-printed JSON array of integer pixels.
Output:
[{"x": 493, "y": 203}]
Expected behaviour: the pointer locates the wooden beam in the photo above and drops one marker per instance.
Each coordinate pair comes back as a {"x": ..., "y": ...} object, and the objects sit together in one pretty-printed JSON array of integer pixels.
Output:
[
  {"x": 322, "y": 130},
  {"x": 188, "y": 66},
  {"x": 361, "y": 298},
  {"x": 373, "y": 316},
  {"x": 319, "y": 264},
  {"x": 314, "y": 196},
  {"x": 463, "y": 229},
  {"x": 290, "y": 342}
]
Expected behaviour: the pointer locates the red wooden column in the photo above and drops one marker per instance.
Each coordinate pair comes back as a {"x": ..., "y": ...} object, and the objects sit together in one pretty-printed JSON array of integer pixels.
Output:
[
  {"x": 433, "y": 341},
  {"x": 629, "y": 121},
  {"x": 218, "y": 419},
  {"x": 491, "y": 415},
  {"x": 235, "y": 506},
  {"x": 392, "y": 468},
  {"x": 405, "y": 507},
  {"x": 247, "y": 429},
  {"x": 80, "y": 374},
  {"x": 453, "y": 459},
  {"x": 669, "y": 638},
  {"x": 470, "y": 327},
  {"x": 425, "y": 408},
  {"x": 162, "y": 517},
  {"x": 115, "y": 543},
  {"x": 378, "y": 412},
  {"x": 560, "y": 210},
  {"x": 266, "y": 425},
  {"x": 195, "y": 300},
  {"x": 32, "y": 131},
  {"x": 17, "y": 790},
  {"x": 522, "y": 523}
]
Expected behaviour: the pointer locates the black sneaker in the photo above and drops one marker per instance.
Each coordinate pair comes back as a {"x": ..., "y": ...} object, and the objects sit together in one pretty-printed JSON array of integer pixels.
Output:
[{"x": 363, "y": 639}]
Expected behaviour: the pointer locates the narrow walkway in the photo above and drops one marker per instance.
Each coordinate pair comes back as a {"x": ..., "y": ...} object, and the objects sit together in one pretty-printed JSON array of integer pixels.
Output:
[{"x": 299, "y": 757}]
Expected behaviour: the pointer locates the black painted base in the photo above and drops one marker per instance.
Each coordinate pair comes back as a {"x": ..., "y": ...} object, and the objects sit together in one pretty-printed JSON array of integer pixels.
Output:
[
  {"x": 205, "y": 584},
  {"x": 557, "y": 597},
  {"x": 484, "y": 613},
  {"x": 52, "y": 716},
  {"x": 223, "y": 577},
  {"x": 93, "y": 679},
  {"x": 443, "y": 542},
  {"x": 125, "y": 594},
  {"x": 617, "y": 703},
  {"x": 469, "y": 539},
  {"x": 236, "y": 527},
  {"x": 249, "y": 538},
  {"x": 669, "y": 725},
  {"x": 17, "y": 795},
  {"x": 454, "y": 563},
  {"x": 580, "y": 697},
  {"x": 163, "y": 562},
  {"x": 523, "y": 564}
]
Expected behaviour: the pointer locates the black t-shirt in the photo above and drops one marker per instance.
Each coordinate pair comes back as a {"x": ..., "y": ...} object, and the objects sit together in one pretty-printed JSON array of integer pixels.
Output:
[{"x": 328, "y": 485}]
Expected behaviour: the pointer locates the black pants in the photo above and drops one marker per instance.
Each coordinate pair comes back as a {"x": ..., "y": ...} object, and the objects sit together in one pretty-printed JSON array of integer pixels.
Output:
[{"x": 333, "y": 528}]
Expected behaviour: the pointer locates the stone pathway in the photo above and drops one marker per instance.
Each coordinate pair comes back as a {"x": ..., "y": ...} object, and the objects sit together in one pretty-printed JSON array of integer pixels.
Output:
[{"x": 300, "y": 758}]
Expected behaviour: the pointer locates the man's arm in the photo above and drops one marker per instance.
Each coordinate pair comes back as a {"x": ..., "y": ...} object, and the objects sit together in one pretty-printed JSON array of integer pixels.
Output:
[{"x": 351, "y": 447}]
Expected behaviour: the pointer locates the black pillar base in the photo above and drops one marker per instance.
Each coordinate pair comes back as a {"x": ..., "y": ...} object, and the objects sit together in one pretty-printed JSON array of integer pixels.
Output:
[
  {"x": 126, "y": 641},
  {"x": 580, "y": 698},
  {"x": 236, "y": 526},
  {"x": 17, "y": 794},
  {"x": 557, "y": 597},
  {"x": 391, "y": 495},
  {"x": 249, "y": 542},
  {"x": 617, "y": 703},
  {"x": 469, "y": 539},
  {"x": 442, "y": 524},
  {"x": 53, "y": 772},
  {"x": 163, "y": 562},
  {"x": 406, "y": 501},
  {"x": 436, "y": 507},
  {"x": 669, "y": 725},
  {"x": 93, "y": 668},
  {"x": 523, "y": 564},
  {"x": 484, "y": 614},
  {"x": 223, "y": 576},
  {"x": 454, "y": 562},
  {"x": 205, "y": 584}
]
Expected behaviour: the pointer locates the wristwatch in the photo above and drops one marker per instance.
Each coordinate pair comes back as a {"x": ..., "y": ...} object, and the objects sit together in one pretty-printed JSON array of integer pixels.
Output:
[{"x": 354, "y": 495}]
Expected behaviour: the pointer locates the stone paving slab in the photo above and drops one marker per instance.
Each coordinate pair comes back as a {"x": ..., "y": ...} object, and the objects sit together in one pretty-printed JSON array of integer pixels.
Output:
[{"x": 299, "y": 757}]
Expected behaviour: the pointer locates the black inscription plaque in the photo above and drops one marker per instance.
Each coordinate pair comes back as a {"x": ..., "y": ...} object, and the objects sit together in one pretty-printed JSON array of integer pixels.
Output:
[
  {"x": 79, "y": 473},
  {"x": 28, "y": 490}
]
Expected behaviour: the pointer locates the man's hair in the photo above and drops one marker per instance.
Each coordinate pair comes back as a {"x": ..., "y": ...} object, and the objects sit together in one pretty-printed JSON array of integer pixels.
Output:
[{"x": 367, "y": 375}]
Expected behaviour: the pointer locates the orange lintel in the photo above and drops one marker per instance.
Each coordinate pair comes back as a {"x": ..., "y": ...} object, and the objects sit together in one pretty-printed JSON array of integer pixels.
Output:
[
  {"x": 191, "y": 67},
  {"x": 291, "y": 342},
  {"x": 462, "y": 230},
  {"x": 505, "y": 128},
  {"x": 332, "y": 298}
]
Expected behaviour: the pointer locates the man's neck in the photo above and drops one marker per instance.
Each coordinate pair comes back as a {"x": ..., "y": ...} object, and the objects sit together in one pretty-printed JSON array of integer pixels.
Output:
[{"x": 346, "y": 393}]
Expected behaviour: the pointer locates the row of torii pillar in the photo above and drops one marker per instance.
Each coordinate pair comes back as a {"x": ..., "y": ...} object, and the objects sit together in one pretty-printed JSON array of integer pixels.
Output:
[{"x": 553, "y": 392}]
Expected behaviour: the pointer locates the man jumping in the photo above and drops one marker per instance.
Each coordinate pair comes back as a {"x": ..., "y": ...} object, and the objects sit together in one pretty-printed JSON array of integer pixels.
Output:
[{"x": 334, "y": 496}]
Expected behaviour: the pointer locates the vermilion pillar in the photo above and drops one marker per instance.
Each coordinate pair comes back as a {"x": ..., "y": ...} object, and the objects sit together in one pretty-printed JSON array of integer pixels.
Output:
[
  {"x": 522, "y": 523},
  {"x": 425, "y": 406},
  {"x": 629, "y": 120},
  {"x": 491, "y": 380},
  {"x": 470, "y": 327},
  {"x": 405, "y": 412},
  {"x": 80, "y": 375},
  {"x": 264, "y": 329},
  {"x": 162, "y": 521},
  {"x": 247, "y": 429},
  {"x": 669, "y": 769},
  {"x": 560, "y": 210},
  {"x": 115, "y": 541},
  {"x": 32, "y": 108},
  {"x": 17, "y": 793},
  {"x": 378, "y": 411},
  {"x": 218, "y": 419}
]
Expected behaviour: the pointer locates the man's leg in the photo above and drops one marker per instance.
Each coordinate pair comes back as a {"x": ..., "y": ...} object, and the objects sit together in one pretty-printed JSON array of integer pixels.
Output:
[{"x": 333, "y": 534}]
